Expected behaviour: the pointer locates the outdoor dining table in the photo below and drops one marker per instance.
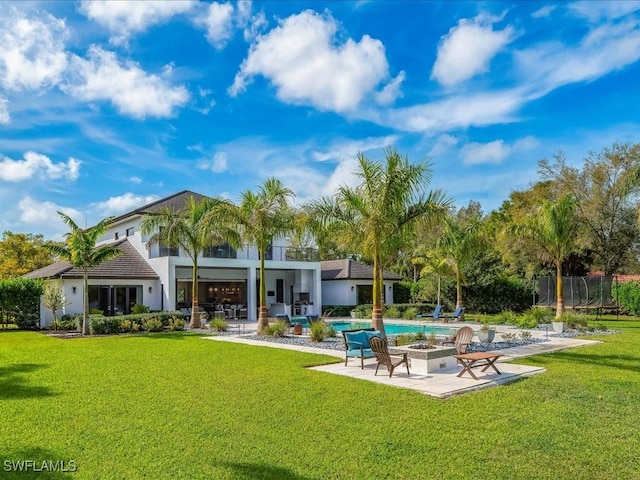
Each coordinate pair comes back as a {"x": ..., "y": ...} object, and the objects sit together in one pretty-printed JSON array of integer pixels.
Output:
[{"x": 469, "y": 360}]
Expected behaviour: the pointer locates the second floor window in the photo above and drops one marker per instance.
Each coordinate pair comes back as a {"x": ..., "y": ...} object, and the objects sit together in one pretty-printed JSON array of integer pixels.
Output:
[
  {"x": 169, "y": 251},
  {"x": 220, "y": 251}
]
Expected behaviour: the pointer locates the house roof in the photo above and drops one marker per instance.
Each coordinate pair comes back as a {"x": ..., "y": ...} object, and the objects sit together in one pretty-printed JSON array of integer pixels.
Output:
[
  {"x": 128, "y": 265},
  {"x": 177, "y": 201},
  {"x": 350, "y": 269}
]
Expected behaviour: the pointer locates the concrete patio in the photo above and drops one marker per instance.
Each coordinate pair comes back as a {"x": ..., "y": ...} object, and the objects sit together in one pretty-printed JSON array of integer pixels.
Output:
[{"x": 440, "y": 384}]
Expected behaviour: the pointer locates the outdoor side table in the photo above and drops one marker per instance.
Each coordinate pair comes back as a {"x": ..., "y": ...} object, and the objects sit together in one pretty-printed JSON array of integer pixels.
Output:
[{"x": 469, "y": 360}]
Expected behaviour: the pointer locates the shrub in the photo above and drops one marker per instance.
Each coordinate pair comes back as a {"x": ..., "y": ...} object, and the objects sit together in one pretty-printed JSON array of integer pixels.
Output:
[
  {"x": 363, "y": 311},
  {"x": 137, "y": 308},
  {"x": 318, "y": 331},
  {"x": 68, "y": 322},
  {"x": 402, "y": 292},
  {"x": 506, "y": 318},
  {"x": 392, "y": 312},
  {"x": 574, "y": 320},
  {"x": 95, "y": 311},
  {"x": 219, "y": 325},
  {"x": 524, "y": 335},
  {"x": 405, "y": 339},
  {"x": 627, "y": 295},
  {"x": 153, "y": 324},
  {"x": 276, "y": 329},
  {"x": 99, "y": 325},
  {"x": 508, "y": 337},
  {"x": 20, "y": 302},
  {"x": 410, "y": 313},
  {"x": 331, "y": 332},
  {"x": 176, "y": 324},
  {"x": 129, "y": 326}
]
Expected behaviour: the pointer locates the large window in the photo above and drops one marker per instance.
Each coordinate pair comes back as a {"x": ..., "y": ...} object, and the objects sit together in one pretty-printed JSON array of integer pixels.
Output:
[
  {"x": 169, "y": 251},
  {"x": 220, "y": 251},
  {"x": 364, "y": 294}
]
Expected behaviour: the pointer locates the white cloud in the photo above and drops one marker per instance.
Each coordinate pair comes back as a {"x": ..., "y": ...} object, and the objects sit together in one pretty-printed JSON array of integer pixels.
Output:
[
  {"x": 135, "y": 179},
  {"x": 603, "y": 49},
  {"x": 468, "y": 49},
  {"x": 126, "y": 18},
  {"x": 391, "y": 91},
  {"x": 35, "y": 164},
  {"x": 306, "y": 64},
  {"x": 217, "y": 164},
  {"x": 341, "y": 149},
  {"x": 32, "y": 54},
  {"x": 443, "y": 144},
  {"x": 544, "y": 12},
  {"x": 44, "y": 213},
  {"x": 494, "y": 152},
  {"x": 608, "y": 10},
  {"x": 122, "y": 203},
  {"x": 218, "y": 21},
  {"x": 4, "y": 111},
  {"x": 129, "y": 88}
]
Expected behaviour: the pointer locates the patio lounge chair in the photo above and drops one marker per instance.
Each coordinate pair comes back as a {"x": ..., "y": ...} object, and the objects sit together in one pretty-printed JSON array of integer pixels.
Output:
[
  {"x": 462, "y": 340},
  {"x": 435, "y": 315},
  {"x": 457, "y": 313},
  {"x": 357, "y": 344},
  {"x": 381, "y": 351}
]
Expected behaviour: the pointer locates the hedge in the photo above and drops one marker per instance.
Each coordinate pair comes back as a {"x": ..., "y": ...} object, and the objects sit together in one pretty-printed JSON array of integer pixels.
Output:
[
  {"x": 627, "y": 295},
  {"x": 20, "y": 302}
]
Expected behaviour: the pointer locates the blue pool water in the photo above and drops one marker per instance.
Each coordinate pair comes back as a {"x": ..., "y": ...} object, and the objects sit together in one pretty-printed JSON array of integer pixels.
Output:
[{"x": 395, "y": 329}]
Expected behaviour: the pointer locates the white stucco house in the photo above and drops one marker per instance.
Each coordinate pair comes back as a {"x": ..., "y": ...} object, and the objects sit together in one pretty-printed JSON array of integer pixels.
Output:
[
  {"x": 347, "y": 282},
  {"x": 161, "y": 277}
]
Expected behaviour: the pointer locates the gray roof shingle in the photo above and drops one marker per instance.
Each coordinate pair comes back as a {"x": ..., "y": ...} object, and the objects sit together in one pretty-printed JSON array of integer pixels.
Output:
[
  {"x": 350, "y": 269},
  {"x": 177, "y": 201},
  {"x": 128, "y": 265}
]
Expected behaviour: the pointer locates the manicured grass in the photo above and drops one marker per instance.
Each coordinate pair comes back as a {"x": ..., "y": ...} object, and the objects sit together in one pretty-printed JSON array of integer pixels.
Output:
[{"x": 178, "y": 406}]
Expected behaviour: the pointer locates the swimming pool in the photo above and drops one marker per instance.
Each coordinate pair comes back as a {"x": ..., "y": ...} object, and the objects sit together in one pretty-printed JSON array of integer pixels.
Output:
[{"x": 395, "y": 328}]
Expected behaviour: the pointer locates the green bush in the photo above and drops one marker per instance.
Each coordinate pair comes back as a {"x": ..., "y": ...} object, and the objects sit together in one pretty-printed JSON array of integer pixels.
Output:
[
  {"x": 137, "y": 308},
  {"x": 96, "y": 311},
  {"x": 402, "y": 292},
  {"x": 410, "y": 313},
  {"x": 219, "y": 325},
  {"x": 405, "y": 339},
  {"x": 506, "y": 318},
  {"x": 331, "y": 332},
  {"x": 317, "y": 331},
  {"x": 574, "y": 320},
  {"x": 627, "y": 295},
  {"x": 68, "y": 323},
  {"x": 276, "y": 329},
  {"x": 20, "y": 302},
  {"x": 129, "y": 326},
  {"x": 363, "y": 311},
  {"x": 176, "y": 324},
  {"x": 99, "y": 325},
  {"x": 392, "y": 312},
  {"x": 153, "y": 324}
]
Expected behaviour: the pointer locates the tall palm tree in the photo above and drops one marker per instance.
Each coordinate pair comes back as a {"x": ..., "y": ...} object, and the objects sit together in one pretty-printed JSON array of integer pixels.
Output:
[
  {"x": 263, "y": 216},
  {"x": 377, "y": 217},
  {"x": 434, "y": 262},
  {"x": 554, "y": 230},
  {"x": 79, "y": 249},
  {"x": 459, "y": 243},
  {"x": 194, "y": 228}
]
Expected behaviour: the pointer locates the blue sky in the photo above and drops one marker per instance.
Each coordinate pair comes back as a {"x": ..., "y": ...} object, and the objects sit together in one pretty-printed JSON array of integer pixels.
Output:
[{"x": 107, "y": 106}]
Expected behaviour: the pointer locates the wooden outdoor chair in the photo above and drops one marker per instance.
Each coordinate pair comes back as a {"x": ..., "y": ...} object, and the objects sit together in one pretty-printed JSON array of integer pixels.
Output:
[
  {"x": 381, "y": 351},
  {"x": 462, "y": 340}
]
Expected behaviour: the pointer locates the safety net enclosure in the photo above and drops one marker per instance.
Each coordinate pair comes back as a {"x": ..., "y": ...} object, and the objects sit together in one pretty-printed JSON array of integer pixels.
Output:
[{"x": 578, "y": 292}]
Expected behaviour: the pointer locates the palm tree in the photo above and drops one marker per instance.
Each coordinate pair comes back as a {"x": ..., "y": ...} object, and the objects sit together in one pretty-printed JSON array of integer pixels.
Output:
[
  {"x": 459, "y": 243},
  {"x": 554, "y": 230},
  {"x": 434, "y": 262},
  {"x": 197, "y": 226},
  {"x": 263, "y": 216},
  {"x": 79, "y": 249},
  {"x": 377, "y": 217}
]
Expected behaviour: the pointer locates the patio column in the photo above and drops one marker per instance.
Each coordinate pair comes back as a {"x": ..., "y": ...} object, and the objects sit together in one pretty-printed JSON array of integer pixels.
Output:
[{"x": 252, "y": 294}]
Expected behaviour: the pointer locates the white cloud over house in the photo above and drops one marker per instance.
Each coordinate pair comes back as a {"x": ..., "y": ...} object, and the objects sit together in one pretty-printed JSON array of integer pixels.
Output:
[
  {"x": 127, "y": 18},
  {"x": 468, "y": 48},
  {"x": 36, "y": 165},
  {"x": 122, "y": 203},
  {"x": 307, "y": 64},
  {"x": 216, "y": 164},
  {"x": 134, "y": 92},
  {"x": 34, "y": 212}
]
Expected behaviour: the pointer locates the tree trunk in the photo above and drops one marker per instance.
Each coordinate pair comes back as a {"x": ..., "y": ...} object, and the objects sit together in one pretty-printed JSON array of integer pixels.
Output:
[
  {"x": 459, "y": 294},
  {"x": 195, "y": 310},
  {"x": 438, "y": 299},
  {"x": 376, "y": 314},
  {"x": 85, "y": 301},
  {"x": 263, "y": 314},
  {"x": 559, "y": 290}
]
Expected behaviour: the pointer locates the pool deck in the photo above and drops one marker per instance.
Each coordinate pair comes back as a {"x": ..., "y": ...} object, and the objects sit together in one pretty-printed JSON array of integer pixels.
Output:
[{"x": 441, "y": 384}]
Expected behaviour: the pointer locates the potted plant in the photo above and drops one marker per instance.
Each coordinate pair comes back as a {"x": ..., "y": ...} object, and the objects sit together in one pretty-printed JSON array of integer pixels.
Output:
[{"x": 486, "y": 333}]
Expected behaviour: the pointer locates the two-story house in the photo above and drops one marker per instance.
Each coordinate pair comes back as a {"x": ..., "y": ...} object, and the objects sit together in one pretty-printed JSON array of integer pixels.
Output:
[{"x": 161, "y": 277}]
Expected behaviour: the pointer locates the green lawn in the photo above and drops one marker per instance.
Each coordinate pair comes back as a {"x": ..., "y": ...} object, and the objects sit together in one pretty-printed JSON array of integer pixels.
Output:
[{"x": 177, "y": 406}]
